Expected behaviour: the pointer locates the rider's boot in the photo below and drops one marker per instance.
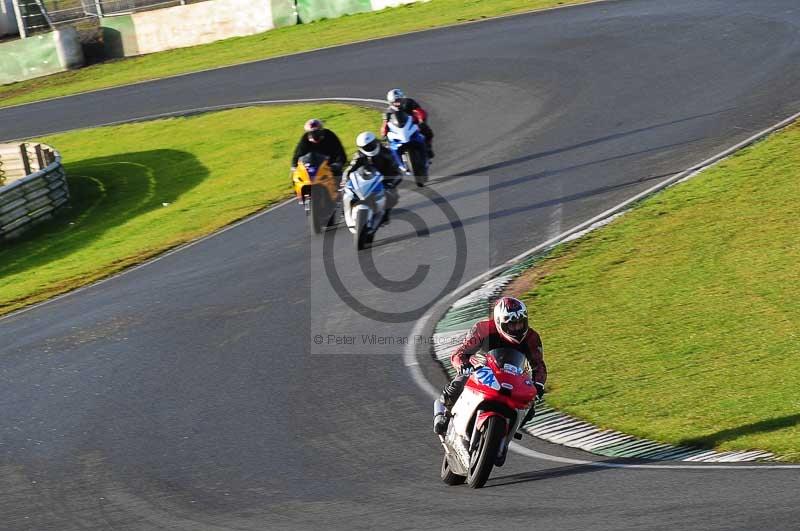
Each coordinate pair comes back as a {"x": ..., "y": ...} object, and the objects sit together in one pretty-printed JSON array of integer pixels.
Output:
[
  {"x": 440, "y": 417},
  {"x": 528, "y": 417}
]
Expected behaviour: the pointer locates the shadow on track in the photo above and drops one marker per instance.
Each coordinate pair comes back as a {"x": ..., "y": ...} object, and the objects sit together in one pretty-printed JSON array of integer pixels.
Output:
[
  {"x": 710, "y": 441},
  {"x": 549, "y": 173},
  {"x": 516, "y": 210},
  {"x": 540, "y": 475},
  {"x": 587, "y": 143}
]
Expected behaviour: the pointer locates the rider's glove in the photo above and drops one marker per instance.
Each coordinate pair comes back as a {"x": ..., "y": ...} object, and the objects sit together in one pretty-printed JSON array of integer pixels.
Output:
[
  {"x": 465, "y": 369},
  {"x": 539, "y": 390}
]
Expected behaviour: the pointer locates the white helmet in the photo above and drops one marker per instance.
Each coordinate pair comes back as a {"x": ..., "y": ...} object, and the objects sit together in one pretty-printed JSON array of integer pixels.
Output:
[
  {"x": 511, "y": 319},
  {"x": 368, "y": 144},
  {"x": 394, "y": 96}
]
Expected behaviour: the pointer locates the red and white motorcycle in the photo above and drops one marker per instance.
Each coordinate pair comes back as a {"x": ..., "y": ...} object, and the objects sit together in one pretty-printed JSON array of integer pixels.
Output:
[{"x": 496, "y": 397}]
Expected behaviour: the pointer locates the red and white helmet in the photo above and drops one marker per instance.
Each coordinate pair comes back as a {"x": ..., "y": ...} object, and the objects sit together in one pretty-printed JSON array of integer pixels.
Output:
[{"x": 511, "y": 319}]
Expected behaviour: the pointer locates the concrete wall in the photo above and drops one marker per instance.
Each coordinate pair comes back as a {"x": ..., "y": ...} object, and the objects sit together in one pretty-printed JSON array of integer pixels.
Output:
[
  {"x": 8, "y": 22},
  {"x": 213, "y": 20},
  {"x": 190, "y": 25},
  {"x": 40, "y": 55},
  {"x": 68, "y": 48}
]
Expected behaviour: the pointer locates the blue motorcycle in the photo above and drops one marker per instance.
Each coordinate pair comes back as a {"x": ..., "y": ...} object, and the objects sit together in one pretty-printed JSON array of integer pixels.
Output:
[
  {"x": 365, "y": 202},
  {"x": 407, "y": 145}
]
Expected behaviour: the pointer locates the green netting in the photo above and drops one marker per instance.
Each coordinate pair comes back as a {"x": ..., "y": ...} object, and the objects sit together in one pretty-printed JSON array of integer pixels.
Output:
[
  {"x": 283, "y": 13},
  {"x": 311, "y": 10},
  {"x": 119, "y": 36},
  {"x": 27, "y": 58}
]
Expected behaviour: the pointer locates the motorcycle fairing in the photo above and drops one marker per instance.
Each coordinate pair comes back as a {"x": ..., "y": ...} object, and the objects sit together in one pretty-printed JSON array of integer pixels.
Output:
[
  {"x": 364, "y": 188},
  {"x": 483, "y": 416},
  {"x": 368, "y": 194},
  {"x": 404, "y": 134},
  {"x": 501, "y": 387}
]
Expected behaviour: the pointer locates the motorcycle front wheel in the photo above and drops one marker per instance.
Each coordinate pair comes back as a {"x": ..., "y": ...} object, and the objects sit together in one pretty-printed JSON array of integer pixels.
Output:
[
  {"x": 361, "y": 235},
  {"x": 415, "y": 162},
  {"x": 482, "y": 461},
  {"x": 317, "y": 202}
]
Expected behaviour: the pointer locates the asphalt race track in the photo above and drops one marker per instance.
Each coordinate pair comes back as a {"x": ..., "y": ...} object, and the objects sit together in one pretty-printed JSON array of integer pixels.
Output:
[{"x": 189, "y": 394}]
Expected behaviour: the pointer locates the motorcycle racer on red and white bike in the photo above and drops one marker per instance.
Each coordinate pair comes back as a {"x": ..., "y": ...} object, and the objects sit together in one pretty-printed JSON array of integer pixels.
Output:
[
  {"x": 508, "y": 327},
  {"x": 483, "y": 407}
]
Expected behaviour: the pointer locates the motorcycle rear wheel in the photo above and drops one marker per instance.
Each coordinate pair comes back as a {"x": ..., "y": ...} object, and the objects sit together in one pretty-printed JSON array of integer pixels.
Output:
[
  {"x": 489, "y": 446},
  {"x": 448, "y": 476}
]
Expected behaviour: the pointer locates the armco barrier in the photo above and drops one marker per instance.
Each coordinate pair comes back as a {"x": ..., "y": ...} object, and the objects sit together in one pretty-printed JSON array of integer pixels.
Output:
[
  {"x": 32, "y": 186},
  {"x": 193, "y": 24},
  {"x": 40, "y": 55}
]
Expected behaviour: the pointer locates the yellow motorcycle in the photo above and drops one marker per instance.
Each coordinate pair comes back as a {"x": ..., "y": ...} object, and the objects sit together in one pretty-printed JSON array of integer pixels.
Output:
[{"x": 317, "y": 189}]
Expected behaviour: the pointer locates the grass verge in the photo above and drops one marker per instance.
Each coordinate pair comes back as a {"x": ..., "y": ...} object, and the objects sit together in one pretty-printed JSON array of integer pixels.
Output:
[
  {"x": 680, "y": 322},
  {"x": 157, "y": 185},
  {"x": 274, "y": 43}
]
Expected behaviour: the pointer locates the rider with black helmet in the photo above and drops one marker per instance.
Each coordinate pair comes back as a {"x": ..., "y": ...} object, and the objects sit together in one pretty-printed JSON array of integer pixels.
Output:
[{"x": 317, "y": 139}]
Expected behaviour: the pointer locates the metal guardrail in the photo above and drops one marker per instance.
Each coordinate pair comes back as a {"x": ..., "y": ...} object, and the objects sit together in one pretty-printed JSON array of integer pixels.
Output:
[{"x": 33, "y": 185}]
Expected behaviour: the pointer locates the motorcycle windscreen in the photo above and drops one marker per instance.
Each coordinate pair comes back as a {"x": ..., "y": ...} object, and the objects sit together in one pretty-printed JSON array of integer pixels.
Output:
[
  {"x": 511, "y": 360},
  {"x": 364, "y": 188},
  {"x": 312, "y": 161},
  {"x": 399, "y": 119},
  {"x": 401, "y": 128}
]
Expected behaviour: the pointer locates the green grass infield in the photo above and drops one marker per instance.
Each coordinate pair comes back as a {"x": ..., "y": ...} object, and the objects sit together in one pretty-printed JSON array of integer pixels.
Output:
[
  {"x": 140, "y": 189},
  {"x": 680, "y": 321},
  {"x": 283, "y": 41}
]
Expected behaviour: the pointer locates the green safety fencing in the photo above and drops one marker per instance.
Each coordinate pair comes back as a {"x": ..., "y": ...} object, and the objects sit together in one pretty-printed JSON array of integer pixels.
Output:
[
  {"x": 284, "y": 13},
  {"x": 311, "y": 10},
  {"x": 27, "y": 58}
]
